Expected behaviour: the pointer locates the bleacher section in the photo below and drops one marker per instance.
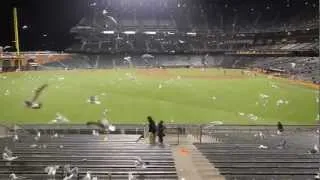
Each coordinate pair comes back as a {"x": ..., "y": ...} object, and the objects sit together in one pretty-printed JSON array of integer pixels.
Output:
[
  {"x": 105, "y": 156},
  {"x": 238, "y": 156}
]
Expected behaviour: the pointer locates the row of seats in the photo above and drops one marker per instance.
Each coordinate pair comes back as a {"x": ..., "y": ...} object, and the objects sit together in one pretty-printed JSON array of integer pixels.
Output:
[
  {"x": 263, "y": 154},
  {"x": 106, "y": 157}
]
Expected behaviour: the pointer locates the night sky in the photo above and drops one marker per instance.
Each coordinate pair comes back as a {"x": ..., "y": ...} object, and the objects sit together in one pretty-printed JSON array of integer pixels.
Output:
[{"x": 52, "y": 17}]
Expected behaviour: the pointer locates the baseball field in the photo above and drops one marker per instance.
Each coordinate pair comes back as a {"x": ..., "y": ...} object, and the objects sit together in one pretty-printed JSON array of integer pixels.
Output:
[{"x": 174, "y": 95}]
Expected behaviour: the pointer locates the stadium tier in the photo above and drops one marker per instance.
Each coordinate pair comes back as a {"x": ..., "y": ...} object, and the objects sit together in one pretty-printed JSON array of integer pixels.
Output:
[{"x": 116, "y": 157}]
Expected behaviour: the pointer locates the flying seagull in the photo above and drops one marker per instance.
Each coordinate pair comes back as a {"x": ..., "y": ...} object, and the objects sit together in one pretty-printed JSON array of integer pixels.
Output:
[
  {"x": 33, "y": 104},
  {"x": 104, "y": 123}
]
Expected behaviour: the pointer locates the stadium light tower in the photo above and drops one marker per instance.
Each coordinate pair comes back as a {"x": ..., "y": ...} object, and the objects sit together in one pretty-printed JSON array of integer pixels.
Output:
[{"x": 16, "y": 35}]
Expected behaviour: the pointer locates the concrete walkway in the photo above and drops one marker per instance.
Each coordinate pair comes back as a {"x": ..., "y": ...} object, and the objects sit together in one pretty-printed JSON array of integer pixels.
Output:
[{"x": 191, "y": 164}]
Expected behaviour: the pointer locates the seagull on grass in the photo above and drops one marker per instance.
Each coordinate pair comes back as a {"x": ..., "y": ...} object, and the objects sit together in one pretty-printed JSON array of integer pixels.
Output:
[
  {"x": 93, "y": 100},
  {"x": 60, "y": 119},
  {"x": 33, "y": 104}
]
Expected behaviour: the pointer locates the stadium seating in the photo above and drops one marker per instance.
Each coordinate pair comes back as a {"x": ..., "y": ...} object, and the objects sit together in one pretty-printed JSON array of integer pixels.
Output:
[
  {"x": 238, "y": 155},
  {"x": 111, "y": 158}
]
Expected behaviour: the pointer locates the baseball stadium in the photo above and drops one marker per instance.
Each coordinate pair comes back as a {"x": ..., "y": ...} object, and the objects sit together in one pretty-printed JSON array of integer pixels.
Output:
[{"x": 160, "y": 90}]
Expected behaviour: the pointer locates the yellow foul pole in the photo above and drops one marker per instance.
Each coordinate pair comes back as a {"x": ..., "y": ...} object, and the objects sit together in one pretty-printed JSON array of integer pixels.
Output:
[{"x": 16, "y": 34}]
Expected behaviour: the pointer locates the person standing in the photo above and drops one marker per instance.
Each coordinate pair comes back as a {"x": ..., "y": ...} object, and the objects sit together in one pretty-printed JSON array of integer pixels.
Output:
[
  {"x": 152, "y": 130},
  {"x": 161, "y": 134}
]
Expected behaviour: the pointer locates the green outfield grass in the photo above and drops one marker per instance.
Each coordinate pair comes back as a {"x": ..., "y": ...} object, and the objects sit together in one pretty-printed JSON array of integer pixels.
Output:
[{"x": 185, "y": 96}]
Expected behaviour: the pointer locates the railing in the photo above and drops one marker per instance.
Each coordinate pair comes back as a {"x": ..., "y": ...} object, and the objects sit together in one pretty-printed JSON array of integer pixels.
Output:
[{"x": 175, "y": 131}]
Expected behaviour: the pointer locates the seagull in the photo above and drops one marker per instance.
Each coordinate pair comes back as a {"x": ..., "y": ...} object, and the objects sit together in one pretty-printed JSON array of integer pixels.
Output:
[
  {"x": 13, "y": 176},
  {"x": 95, "y": 133},
  {"x": 15, "y": 138},
  {"x": 282, "y": 144},
  {"x": 37, "y": 137},
  {"x": 8, "y": 157},
  {"x": 70, "y": 173},
  {"x": 103, "y": 124},
  {"x": 314, "y": 150},
  {"x": 60, "y": 119},
  {"x": 56, "y": 135},
  {"x": 263, "y": 147},
  {"x": 93, "y": 100},
  {"x": 33, "y": 104},
  {"x": 8, "y": 151},
  {"x": 260, "y": 135},
  {"x": 88, "y": 176},
  {"x": 317, "y": 177},
  {"x": 131, "y": 176},
  {"x": 51, "y": 170},
  {"x": 139, "y": 163}
]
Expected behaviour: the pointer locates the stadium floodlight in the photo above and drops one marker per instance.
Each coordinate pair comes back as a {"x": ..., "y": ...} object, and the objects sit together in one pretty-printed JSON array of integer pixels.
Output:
[
  {"x": 191, "y": 33},
  {"x": 150, "y": 32},
  {"x": 107, "y": 32},
  {"x": 129, "y": 32}
]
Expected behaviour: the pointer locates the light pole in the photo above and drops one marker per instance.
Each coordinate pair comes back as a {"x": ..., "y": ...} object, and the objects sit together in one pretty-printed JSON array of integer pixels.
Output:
[{"x": 16, "y": 35}]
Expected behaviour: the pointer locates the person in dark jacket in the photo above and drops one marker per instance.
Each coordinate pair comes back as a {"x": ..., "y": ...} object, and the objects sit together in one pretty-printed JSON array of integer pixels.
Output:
[
  {"x": 280, "y": 128},
  {"x": 152, "y": 130},
  {"x": 161, "y": 134}
]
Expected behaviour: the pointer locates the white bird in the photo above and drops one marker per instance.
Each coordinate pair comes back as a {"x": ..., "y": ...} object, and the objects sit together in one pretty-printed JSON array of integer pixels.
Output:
[
  {"x": 33, "y": 145},
  {"x": 13, "y": 176},
  {"x": 314, "y": 150},
  {"x": 70, "y": 173},
  {"x": 51, "y": 170},
  {"x": 87, "y": 176},
  {"x": 95, "y": 133},
  {"x": 317, "y": 177},
  {"x": 260, "y": 135},
  {"x": 139, "y": 163},
  {"x": 93, "y": 100},
  {"x": 263, "y": 147},
  {"x": 8, "y": 151},
  {"x": 60, "y": 119},
  {"x": 56, "y": 135},
  {"x": 263, "y": 96},
  {"x": 37, "y": 137},
  {"x": 131, "y": 176},
  {"x": 15, "y": 138},
  {"x": 8, "y": 157}
]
